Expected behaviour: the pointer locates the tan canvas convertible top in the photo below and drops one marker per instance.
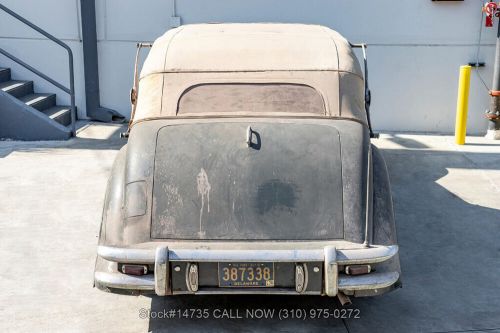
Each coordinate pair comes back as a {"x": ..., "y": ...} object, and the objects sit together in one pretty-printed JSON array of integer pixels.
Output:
[{"x": 192, "y": 66}]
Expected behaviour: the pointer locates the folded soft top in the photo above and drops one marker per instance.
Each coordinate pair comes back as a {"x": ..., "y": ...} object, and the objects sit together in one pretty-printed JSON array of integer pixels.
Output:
[{"x": 250, "y": 47}]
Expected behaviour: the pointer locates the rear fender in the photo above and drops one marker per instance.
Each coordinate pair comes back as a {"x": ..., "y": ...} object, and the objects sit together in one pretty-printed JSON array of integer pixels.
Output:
[
  {"x": 111, "y": 232},
  {"x": 384, "y": 225}
]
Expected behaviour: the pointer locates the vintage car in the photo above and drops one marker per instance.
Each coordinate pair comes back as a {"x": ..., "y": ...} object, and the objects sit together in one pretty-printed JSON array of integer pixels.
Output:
[{"x": 249, "y": 169}]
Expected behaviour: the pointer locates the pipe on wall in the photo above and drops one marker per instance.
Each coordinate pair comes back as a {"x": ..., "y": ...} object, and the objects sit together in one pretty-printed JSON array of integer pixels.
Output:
[{"x": 91, "y": 70}]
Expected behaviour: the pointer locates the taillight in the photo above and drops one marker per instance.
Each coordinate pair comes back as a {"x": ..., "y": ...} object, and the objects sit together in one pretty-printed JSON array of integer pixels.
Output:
[
  {"x": 134, "y": 269},
  {"x": 358, "y": 269}
]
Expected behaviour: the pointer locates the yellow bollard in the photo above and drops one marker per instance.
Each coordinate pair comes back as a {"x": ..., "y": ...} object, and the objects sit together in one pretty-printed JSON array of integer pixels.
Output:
[{"x": 462, "y": 105}]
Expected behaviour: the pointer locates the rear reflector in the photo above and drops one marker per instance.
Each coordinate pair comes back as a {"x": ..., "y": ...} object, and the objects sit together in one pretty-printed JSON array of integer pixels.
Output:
[
  {"x": 358, "y": 269},
  {"x": 135, "y": 269}
]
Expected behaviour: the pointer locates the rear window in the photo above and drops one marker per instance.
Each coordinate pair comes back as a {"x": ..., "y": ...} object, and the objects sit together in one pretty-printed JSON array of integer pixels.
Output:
[{"x": 242, "y": 97}]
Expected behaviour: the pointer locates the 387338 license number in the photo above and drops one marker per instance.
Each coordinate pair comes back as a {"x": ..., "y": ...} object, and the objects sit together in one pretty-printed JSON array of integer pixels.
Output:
[{"x": 246, "y": 274}]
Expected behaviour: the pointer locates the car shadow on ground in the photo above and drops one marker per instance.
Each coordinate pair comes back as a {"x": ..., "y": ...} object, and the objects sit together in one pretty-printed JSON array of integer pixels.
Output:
[
  {"x": 247, "y": 313},
  {"x": 449, "y": 253},
  {"x": 448, "y": 236}
]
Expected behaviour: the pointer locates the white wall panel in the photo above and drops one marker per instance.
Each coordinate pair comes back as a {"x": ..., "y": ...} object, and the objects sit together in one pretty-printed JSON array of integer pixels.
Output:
[
  {"x": 116, "y": 67},
  {"x": 416, "y": 47},
  {"x": 132, "y": 20},
  {"x": 380, "y": 21},
  {"x": 414, "y": 88},
  {"x": 58, "y": 17}
]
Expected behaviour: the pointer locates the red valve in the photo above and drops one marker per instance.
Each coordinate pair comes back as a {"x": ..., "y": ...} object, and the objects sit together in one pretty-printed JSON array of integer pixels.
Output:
[{"x": 490, "y": 9}]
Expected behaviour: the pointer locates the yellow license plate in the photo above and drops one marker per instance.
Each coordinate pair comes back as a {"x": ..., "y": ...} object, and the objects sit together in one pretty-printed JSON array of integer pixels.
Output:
[{"x": 246, "y": 274}]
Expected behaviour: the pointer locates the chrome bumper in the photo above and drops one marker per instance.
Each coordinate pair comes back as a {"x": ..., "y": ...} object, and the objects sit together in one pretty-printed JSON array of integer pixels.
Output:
[{"x": 329, "y": 257}]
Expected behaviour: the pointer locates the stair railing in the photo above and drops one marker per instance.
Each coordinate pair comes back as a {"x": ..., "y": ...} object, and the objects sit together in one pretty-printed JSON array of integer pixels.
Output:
[{"x": 71, "y": 90}]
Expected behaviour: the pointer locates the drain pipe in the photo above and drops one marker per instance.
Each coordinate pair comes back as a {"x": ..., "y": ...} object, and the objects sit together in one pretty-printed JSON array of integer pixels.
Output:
[
  {"x": 493, "y": 114},
  {"x": 92, "y": 98}
]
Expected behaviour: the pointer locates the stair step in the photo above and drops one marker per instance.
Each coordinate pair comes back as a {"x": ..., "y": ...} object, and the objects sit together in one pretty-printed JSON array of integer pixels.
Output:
[
  {"x": 17, "y": 88},
  {"x": 61, "y": 114},
  {"x": 39, "y": 101},
  {"x": 4, "y": 74}
]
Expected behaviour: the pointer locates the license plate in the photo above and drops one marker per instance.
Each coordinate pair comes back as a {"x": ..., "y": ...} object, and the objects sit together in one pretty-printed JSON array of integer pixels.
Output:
[{"x": 246, "y": 274}]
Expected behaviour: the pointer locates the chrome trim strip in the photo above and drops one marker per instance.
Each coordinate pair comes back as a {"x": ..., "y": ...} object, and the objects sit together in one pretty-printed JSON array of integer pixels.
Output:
[
  {"x": 369, "y": 255},
  {"x": 162, "y": 268},
  {"x": 331, "y": 271},
  {"x": 126, "y": 255},
  {"x": 368, "y": 281},
  {"x": 246, "y": 255},
  {"x": 147, "y": 282},
  {"x": 250, "y": 291},
  {"x": 369, "y": 199},
  {"x": 123, "y": 281}
]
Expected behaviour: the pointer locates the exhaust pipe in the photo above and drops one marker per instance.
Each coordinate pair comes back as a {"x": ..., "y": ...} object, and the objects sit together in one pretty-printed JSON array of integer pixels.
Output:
[{"x": 343, "y": 299}]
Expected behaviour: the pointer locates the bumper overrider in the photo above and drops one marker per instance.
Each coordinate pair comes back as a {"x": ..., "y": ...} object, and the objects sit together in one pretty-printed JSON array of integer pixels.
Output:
[{"x": 322, "y": 271}]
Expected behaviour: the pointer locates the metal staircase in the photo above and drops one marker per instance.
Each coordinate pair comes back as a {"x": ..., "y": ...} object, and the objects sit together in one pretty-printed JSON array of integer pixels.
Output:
[
  {"x": 26, "y": 115},
  {"x": 42, "y": 102}
]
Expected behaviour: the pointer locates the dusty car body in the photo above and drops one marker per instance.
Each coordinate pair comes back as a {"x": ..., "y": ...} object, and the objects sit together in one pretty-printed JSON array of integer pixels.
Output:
[{"x": 249, "y": 169}]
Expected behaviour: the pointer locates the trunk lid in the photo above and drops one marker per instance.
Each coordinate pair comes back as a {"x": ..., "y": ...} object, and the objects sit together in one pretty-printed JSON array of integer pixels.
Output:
[{"x": 209, "y": 184}]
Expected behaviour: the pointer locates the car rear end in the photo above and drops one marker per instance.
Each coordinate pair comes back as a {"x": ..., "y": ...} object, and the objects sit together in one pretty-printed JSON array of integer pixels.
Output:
[
  {"x": 310, "y": 268},
  {"x": 244, "y": 206}
]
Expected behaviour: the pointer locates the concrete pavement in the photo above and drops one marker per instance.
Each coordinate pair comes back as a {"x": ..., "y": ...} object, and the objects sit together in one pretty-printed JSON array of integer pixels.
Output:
[{"x": 447, "y": 202}]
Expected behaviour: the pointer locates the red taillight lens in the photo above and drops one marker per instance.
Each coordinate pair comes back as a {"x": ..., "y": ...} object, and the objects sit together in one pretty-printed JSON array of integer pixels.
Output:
[{"x": 135, "y": 269}]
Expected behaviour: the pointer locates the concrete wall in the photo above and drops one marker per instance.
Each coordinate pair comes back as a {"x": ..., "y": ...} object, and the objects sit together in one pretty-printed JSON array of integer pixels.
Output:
[{"x": 416, "y": 47}]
